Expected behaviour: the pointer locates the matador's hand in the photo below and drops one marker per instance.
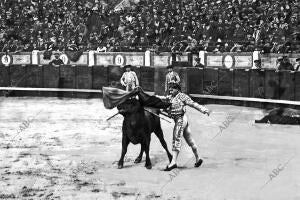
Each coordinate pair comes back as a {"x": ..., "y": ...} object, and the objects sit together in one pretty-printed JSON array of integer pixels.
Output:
[{"x": 207, "y": 112}]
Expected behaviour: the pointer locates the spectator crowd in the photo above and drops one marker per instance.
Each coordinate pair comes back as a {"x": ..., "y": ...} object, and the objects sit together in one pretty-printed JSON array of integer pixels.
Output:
[{"x": 270, "y": 26}]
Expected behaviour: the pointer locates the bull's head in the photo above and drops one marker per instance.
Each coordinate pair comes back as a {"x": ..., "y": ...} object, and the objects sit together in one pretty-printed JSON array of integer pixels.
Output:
[{"x": 130, "y": 106}]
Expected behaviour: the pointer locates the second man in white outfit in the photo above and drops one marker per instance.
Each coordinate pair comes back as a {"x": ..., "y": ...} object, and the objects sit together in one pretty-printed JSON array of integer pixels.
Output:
[{"x": 129, "y": 79}]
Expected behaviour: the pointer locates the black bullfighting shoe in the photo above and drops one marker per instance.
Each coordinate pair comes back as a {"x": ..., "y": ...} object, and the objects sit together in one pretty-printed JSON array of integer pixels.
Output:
[
  {"x": 198, "y": 164},
  {"x": 170, "y": 168}
]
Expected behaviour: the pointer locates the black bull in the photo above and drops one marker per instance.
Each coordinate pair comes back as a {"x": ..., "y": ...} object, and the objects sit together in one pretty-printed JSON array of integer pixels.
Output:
[
  {"x": 138, "y": 125},
  {"x": 281, "y": 116}
]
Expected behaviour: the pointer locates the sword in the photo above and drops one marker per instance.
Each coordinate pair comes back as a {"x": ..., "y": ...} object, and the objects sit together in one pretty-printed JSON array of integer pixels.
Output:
[
  {"x": 112, "y": 116},
  {"x": 157, "y": 115}
]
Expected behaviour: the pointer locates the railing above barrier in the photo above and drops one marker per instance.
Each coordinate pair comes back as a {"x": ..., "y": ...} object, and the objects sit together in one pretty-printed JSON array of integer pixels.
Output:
[
  {"x": 230, "y": 60},
  {"x": 269, "y": 61}
]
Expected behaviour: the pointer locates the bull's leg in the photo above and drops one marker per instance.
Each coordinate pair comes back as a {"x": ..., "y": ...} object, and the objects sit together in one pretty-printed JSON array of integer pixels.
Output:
[
  {"x": 139, "y": 158},
  {"x": 125, "y": 143},
  {"x": 148, "y": 164},
  {"x": 159, "y": 133}
]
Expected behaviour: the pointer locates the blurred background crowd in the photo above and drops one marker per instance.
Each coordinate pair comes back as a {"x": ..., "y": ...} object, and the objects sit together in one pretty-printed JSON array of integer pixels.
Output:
[{"x": 271, "y": 26}]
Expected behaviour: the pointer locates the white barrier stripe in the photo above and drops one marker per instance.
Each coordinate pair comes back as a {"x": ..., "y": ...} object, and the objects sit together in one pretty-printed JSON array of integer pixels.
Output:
[
  {"x": 246, "y": 99},
  {"x": 151, "y": 93},
  {"x": 58, "y": 90},
  {"x": 51, "y": 89}
]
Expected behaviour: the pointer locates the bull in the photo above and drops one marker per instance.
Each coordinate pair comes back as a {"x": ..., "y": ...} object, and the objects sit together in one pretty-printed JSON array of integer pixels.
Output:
[
  {"x": 281, "y": 116},
  {"x": 138, "y": 124}
]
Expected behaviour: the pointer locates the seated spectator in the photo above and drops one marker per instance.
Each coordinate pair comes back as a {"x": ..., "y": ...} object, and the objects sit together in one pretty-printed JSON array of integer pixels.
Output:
[
  {"x": 2, "y": 43},
  {"x": 101, "y": 49},
  {"x": 236, "y": 48},
  {"x": 226, "y": 48},
  {"x": 28, "y": 47},
  {"x": 247, "y": 23}
]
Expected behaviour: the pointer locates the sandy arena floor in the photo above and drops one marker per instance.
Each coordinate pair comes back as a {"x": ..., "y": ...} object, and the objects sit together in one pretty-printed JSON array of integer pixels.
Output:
[{"x": 64, "y": 149}]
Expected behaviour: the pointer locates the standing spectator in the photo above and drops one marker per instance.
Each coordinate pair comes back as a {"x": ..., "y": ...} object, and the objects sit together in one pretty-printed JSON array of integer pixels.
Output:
[
  {"x": 171, "y": 77},
  {"x": 257, "y": 64},
  {"x": 2, "y": 43},
  {"x": 279, "y": 62},
  {"x": 129, "y": 79},
  {"x": 57, "y": 61},
  {"x": 297, "y": 65},
  {"x": 285, "y": 64},
  {"x": 198, "y": 63}
]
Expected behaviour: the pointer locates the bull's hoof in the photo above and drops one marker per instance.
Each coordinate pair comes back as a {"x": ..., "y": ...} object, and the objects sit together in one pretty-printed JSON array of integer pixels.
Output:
[
  {"x": 199, "y": 163},
  {"x": 148, "y": 166},
  {"x": 138, "y": 160},
  {"x": 120, "y": 166}
]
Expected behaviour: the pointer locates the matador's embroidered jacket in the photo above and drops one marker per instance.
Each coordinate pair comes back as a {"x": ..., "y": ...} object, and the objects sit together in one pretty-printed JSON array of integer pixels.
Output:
[{"x": 177, "y": 108}]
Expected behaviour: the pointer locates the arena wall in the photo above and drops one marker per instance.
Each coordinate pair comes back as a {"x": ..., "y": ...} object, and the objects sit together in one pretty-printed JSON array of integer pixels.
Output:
[{"x": 222, "y": 80}]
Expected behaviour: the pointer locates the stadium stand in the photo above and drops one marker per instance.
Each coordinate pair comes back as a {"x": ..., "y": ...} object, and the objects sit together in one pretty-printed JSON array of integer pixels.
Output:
[{"x": 163, "y": 25}]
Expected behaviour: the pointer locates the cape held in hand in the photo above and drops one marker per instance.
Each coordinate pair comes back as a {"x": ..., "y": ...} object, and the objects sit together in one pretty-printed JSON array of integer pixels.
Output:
[{"x": 112, "y": 97}]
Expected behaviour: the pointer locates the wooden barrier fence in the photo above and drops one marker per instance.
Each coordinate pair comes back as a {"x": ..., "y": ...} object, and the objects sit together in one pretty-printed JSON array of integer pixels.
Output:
[{"x": 248, "y": 83}]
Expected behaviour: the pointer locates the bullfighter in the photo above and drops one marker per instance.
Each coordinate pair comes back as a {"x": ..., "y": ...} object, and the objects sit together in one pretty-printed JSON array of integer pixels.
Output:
[
  {"x": 129, "y": 79},
  {"x": 177, "y": 112}
]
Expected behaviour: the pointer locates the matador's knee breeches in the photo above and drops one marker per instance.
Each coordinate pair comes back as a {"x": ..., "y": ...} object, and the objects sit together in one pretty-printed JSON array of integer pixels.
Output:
[{"x": 181, "y": 124}]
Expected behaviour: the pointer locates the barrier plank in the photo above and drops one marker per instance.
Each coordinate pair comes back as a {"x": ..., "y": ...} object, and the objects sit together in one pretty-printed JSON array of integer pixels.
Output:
[
  {"x": 51, "y": 79},
  {"x": 147, "y": 78},
  {"x": 67, "y": 79},
  {"x": 159, "y": 80},
  {"x": 17, "y": 78},
  {"x": 272, "y": 89},
  {"x": 257, "y": 86},
  {"x": 195, "y": 80},
  {"x": 100, "y": 77},
  {"x": 114, "y": 75},
  {"x": 225, "y": 81},
  {"x": 287, "y": 81},
  {"x": 225, "y": 85},
  {"x": 257, "y": 83},
  {"x": 210, "y": 81},
  {"x": 297, "y": 86},
  {"x": 34, "y": 79},
  {"x": 84, "y": 80},
  {"x": 241, "y": 83},
  {"x": 4, "y": 80}
]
